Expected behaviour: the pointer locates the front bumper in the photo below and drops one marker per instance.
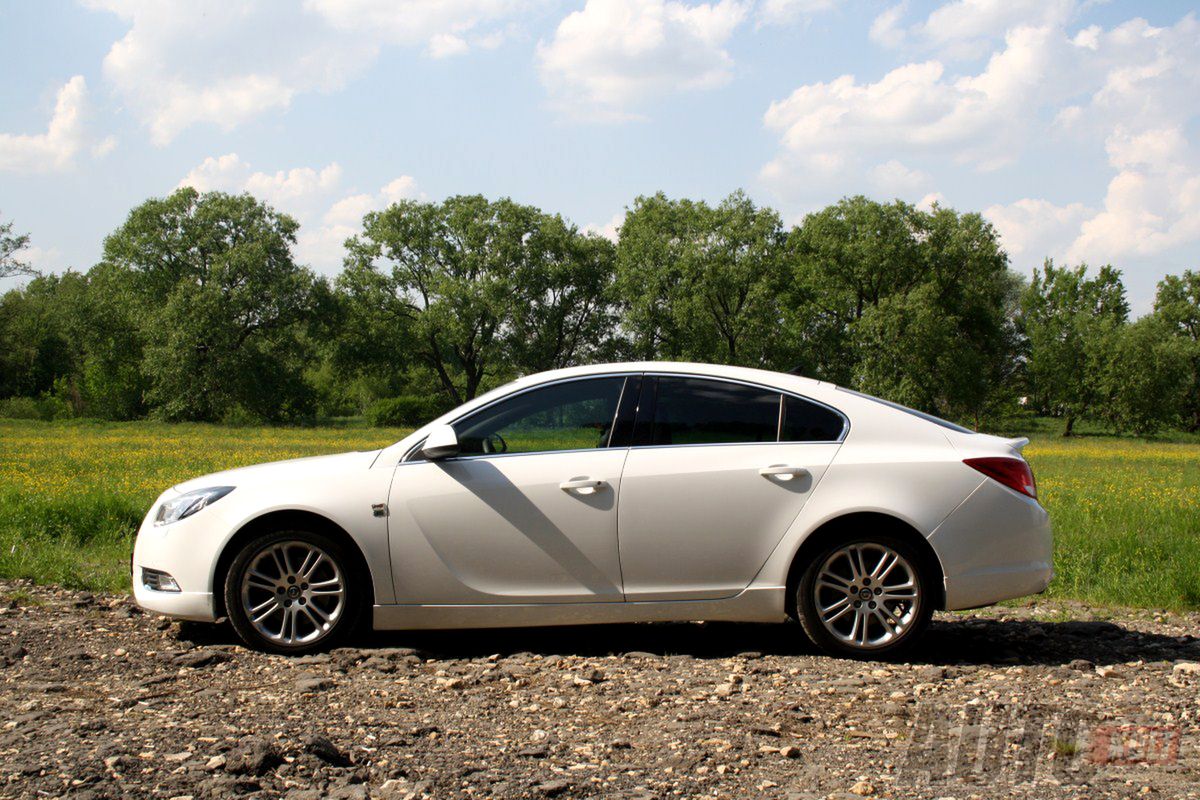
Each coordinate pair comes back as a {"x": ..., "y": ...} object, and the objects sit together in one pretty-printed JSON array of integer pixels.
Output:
[
  {"x": 186, "y": 550},
  {"x": 995, "y": 546}
]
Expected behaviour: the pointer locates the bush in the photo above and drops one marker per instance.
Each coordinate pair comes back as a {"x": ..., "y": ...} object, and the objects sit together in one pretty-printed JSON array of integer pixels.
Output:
[
  {"x": 43, "y": 408},
  {"x": 404, "y": 411}
]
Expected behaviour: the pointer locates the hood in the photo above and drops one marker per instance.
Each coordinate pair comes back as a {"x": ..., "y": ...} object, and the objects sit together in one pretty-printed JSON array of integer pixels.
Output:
[{"x": 290, "y": 470}]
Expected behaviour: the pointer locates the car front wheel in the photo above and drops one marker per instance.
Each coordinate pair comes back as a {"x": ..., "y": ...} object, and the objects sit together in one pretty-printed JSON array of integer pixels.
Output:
[
  {"x": 868, "y": 597},
  {"x": 292, "y": 592}
]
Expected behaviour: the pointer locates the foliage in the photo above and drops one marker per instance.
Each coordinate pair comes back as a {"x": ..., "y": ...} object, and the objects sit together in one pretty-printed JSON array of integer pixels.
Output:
[
  {"x": 406, "y": 410},
  {"x": 10, "y": 245},
  {"x": 223, "y": 305},
  {"x": 1178, "y": 305},
  {"x": 474, "y": 290},
  {"x": 704, "y": 284},
  {"x": 1073, "y": 324},
  {"x": 916, "y": 306},
  {"x": 198, "y": 311}
]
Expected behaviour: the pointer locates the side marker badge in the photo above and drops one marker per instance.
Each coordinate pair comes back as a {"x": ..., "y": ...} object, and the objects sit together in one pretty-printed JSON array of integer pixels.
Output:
[{"x": 379, "y": 509}]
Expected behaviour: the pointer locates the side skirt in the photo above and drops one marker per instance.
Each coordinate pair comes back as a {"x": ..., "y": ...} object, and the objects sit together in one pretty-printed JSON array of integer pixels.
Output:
[{"x": 752, "y": 605}]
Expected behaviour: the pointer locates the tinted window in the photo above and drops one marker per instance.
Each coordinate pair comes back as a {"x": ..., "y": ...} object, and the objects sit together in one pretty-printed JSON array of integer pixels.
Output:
[
  {"x": 808, "y": 422},
  {"x": 697, "y": 411},
  {"x": 566, "y": 416}
]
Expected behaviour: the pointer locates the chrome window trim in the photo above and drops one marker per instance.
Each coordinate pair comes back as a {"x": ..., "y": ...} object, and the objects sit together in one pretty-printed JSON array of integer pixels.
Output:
[{"x": 407, "y": 459}]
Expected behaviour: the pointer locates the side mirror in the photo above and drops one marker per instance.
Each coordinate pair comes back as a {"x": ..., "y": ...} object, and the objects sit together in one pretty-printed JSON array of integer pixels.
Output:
[{"x": 440, "y": 443}]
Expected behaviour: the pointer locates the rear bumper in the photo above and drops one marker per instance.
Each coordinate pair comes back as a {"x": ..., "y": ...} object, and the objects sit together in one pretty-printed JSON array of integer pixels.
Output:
[{"x": 996, "y": 546}]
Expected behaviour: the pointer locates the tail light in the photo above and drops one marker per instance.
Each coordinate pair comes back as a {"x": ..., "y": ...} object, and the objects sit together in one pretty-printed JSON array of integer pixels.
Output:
[{"x": 1012, "y": 472}]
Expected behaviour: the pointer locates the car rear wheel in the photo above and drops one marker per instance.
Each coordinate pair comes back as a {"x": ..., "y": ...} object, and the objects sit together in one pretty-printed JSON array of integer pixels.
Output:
[
  {"x": 869, "y": 597},
  {"x": 292, "y": 592}
]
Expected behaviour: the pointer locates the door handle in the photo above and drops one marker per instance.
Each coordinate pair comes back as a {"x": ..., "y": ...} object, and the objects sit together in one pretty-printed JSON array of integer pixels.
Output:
[
  {"x": 783, "y": 472},
  {"x": 582, "y": 485}
]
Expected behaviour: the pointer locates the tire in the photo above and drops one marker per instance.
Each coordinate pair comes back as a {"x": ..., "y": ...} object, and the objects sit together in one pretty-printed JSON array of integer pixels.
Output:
[
  {"x": 303, "y": 572},
  {"x": 890, "y": 615}
]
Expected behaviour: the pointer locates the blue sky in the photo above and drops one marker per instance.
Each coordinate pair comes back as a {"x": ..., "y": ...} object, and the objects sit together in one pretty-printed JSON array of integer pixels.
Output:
[{"x": 1072, "y": 125}]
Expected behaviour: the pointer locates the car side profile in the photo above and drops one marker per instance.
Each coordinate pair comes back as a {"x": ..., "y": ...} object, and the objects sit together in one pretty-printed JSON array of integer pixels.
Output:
[{"x": 630, "y": 492}]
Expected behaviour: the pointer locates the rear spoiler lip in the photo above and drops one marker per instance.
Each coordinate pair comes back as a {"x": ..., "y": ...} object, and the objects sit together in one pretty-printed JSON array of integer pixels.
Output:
[{"x": 1018, "y": 443}]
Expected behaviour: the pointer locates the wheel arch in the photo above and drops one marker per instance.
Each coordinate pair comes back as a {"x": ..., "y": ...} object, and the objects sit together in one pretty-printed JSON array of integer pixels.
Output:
[
  {"x": 840, "y": 527},
  {"x": 281, "y": 520}
]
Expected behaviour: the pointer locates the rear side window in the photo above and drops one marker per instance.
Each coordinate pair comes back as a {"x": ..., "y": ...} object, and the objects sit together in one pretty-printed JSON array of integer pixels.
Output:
[
  {"x": 808, "y": 422},
  {"x": 698, "y": 411}
]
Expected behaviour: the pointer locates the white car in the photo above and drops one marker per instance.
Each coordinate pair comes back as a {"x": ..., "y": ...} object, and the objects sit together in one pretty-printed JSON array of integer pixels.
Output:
[{"x": 614, "y": 493}]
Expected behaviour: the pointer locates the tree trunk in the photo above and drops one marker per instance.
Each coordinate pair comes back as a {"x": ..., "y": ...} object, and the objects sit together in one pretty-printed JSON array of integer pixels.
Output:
[{"x": 1070, "y": 425}]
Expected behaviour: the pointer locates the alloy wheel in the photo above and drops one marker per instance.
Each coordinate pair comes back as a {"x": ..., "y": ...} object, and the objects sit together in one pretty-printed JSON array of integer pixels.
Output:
[
  {"x": 866, "y": 595},
  {"x": 293, "y": 593}
]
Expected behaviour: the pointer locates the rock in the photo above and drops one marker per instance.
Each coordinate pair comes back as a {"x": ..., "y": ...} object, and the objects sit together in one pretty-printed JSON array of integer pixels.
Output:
[
  {"x": 12, "y": 655},
  {"x": 553, "y": 788},
  {"x": 1108, "y": 672},
  {"x": 177, "y": 758},
  {"x": 450, "y": 683},
  {"x": 534, "y": 752},
  {"x": 215, "y": 763},
  {"x": 1080, "y": 664},
  {"x": 640, "y": 654},
  {"x": 256, "y": 757},
  {"x": 201, "y": 657},
  {"x": 862, "y": 789},
  {"x": 310, "y": 683},
  {"x": 326, "y": 750},
  {"x": 84, "y": 600},
  {"x": 789, "y": 751},
  {"x": 1186, "y": 668}
]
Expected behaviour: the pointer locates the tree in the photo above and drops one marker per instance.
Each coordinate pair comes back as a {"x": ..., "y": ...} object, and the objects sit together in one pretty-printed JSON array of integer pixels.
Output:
[
  {"x": 702, "y": 283},
  {"x": 1147, "y": 378},
  {"x": 477, "y": 289},
  {"x": 10, "y": 245},
  {"x": 1071, "y": 323},
  {"x": 847, "y": 258},
  {"x": 916, "y": 306},
  {"x": 222, "y": 305},
  {"x": 1178, "y": 305}
]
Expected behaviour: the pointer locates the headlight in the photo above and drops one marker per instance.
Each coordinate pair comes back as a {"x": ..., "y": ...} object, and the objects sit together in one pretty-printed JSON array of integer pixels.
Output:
[{"x": 185, "y": 505}]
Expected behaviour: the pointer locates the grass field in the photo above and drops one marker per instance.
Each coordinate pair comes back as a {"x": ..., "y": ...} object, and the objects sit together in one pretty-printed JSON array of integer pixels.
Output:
[{"x": 1126, "y": 513}]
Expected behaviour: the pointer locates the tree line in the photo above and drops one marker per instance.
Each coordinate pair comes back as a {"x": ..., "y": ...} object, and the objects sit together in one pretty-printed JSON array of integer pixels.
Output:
[{"x": 198, "y": 310}]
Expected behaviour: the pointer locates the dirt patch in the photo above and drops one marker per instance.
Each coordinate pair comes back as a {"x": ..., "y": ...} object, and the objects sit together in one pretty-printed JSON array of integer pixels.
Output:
[{"x": 1046, "y": 700}]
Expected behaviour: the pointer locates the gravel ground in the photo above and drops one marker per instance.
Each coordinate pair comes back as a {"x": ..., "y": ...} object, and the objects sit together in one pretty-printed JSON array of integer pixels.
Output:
[{"x": 1046, "y": 700}]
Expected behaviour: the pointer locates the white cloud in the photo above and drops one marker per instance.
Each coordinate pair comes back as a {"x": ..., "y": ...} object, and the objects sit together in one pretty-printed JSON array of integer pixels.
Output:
[
  {"x": 894, "y": 179},
  {"x": 186, "y": 62},
  {"x": 65, "y": 136},
  {"x": 785, "y": 12},
  {"x": 965, "y": 28},
  {"x": 296, "y": 191},
  {"x": 1032, "y": 229},
  {"x": 322, "y": 244},
  {"x": 326, "y": 213},
  {"x": 610, "y": 58},
  {"x": 444, "y": 45},
  {"x": 609, "y": 230}
]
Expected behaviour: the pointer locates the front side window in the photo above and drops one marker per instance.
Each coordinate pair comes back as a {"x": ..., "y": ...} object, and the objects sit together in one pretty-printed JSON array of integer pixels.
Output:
[
  {"x": 577, "y": 415},
  {"x": 699, "y": 411}
]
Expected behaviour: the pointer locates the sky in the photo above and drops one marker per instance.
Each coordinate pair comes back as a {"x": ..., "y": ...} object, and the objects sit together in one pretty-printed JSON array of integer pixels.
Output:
[{"x": 1072, "y": 125}]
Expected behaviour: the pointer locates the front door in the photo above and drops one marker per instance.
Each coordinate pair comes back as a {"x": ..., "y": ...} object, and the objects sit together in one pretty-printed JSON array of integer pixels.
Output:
[
  {"x": 718, "y": 472},
  {"x": 526, "y": 513}
]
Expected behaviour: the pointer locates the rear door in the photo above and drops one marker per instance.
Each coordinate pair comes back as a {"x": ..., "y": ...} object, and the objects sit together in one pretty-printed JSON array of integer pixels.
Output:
[{"x": 718, "y": 471}]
